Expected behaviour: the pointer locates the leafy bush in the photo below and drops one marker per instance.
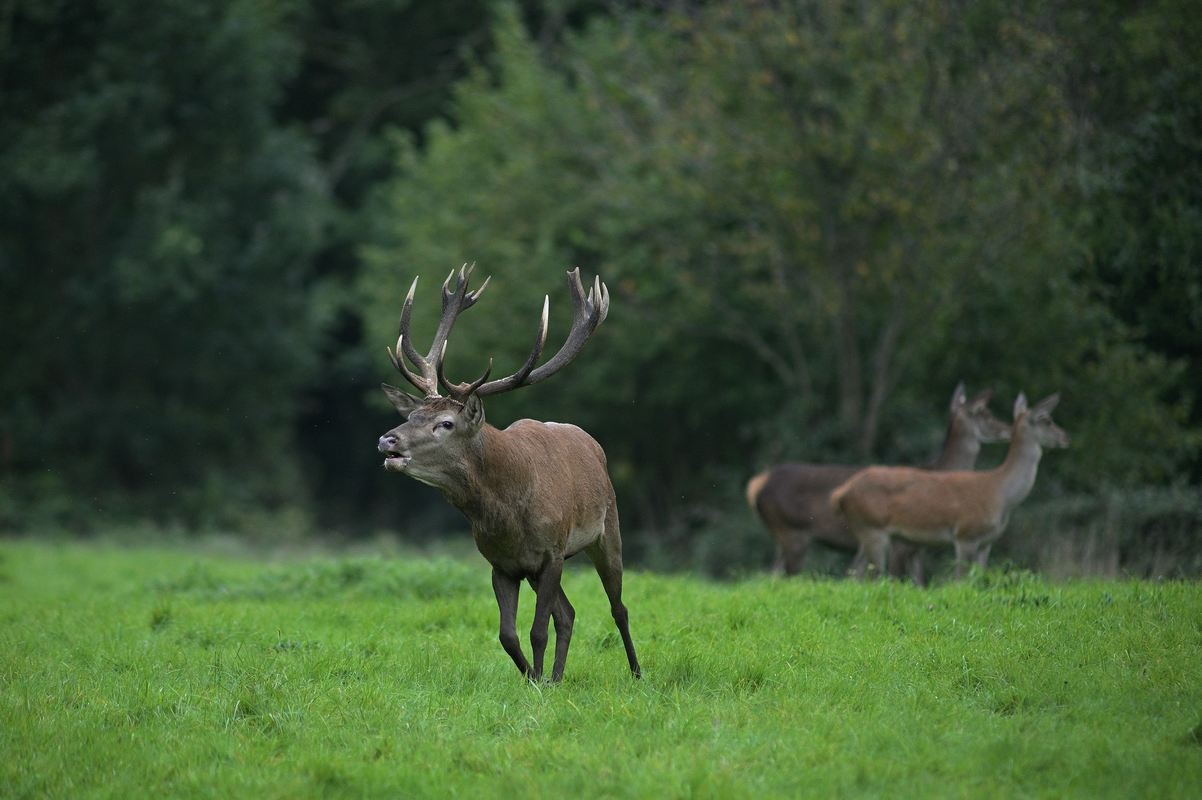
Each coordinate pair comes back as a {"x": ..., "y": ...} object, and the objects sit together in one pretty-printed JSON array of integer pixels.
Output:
[{"x": 1144, "y": 532}]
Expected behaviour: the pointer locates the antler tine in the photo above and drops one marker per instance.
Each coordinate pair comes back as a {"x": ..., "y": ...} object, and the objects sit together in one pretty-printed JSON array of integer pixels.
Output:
[
  {"x": 588, "y": 313},
  {"x": 453, "y": 302},
  {"x": 473, "y": 296},
  {"x": 466, "y": 298},
  {"x": 603, "y": 297},
  {"x": 448, "y": 295},
  {"x": 426, "y": 381},
  {"x": 460, "y": 391},
  {"x": 404, "y": 339},
  {"x": 430, "y": 366},
  {"x": 422, "y": 382}
]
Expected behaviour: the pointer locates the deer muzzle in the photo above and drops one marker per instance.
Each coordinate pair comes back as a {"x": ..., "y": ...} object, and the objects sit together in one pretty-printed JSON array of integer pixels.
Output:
[{"x": 394, "y": 458}]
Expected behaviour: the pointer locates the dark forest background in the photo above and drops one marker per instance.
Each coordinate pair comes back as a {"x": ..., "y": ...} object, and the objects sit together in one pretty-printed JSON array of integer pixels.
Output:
[{"x": 814, "y": 217}]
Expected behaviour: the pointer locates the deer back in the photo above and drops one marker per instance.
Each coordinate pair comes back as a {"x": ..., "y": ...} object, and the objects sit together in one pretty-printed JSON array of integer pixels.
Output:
[
  {"x": 927, "y": 505},
  {"x": 795, "y": 494},
  {"x": 917, "y": 501},
  {"x": 543, "y": 474},
  {"x": 537, "y": 487}
]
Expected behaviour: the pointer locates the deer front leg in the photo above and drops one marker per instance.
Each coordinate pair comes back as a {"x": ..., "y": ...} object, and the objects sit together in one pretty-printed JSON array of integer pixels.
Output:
[
  {"x": 564, "y": 617},
  {"x": 506, "y": 590},
  {"x": 547, "y": 591}
]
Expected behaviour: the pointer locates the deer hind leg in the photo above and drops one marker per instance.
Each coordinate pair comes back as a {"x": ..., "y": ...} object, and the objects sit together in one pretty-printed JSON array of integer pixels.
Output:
[
  {"x": 506, "y": 590},
  {"x": 858, "y": 563},
  {"x": 905, "y": 559},
  {"x": 606, "y": 555},
  {"x": 983, "y": 555},
  {"x": 916, "y": 568},
  {"x": 967, "y": 553},
  {"x": 793, "y": 546},
  {"x": 873, "y": 554},
  {"x": 778, "y": 562},
  {"x": 547, "y": 591}
]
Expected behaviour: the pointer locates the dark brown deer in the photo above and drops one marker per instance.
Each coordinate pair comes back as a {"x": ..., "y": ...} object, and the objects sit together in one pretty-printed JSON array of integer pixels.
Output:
[
  {"x": 968, "y": 510},
  {"x": 535, "y": 493},
  {"x": 793, "y": 500}
]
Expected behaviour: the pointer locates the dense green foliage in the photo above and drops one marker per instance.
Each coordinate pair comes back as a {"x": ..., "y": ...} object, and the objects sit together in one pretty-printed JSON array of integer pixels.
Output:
[
  {"x": 1144, "y": 214},
  {"x": 814, "y": 223},
  {"x": 161, "y": 673},
  {"x": 815, "y": 217},
  {"x": 159, "y": 228}
]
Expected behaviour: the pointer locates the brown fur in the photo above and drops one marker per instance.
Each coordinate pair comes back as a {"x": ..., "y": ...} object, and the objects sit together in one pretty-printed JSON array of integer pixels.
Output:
[
  {"x": 969, "y": 510},
  {"x": 793, "y": 500},
  {"x": 535, "y": 493},
  {"x": 530, "y": 485}
]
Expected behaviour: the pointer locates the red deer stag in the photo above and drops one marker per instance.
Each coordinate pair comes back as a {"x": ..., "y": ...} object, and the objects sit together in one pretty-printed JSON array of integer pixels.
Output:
[
  {"x": 969, "y": 510},
  {"x": 793, "y": 500},
  {"x": 535, "y": 493}
]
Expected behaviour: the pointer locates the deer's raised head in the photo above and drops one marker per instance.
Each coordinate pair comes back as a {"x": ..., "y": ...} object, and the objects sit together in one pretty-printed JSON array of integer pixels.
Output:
[
  {"x": 440, "y": 430},
  {"x": 1036, "y": 421},
  {"x": 973, "y": 417}
]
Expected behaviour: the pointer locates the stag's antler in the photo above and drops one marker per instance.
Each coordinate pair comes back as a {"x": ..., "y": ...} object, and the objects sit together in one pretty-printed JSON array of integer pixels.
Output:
[
  {"x": 453, "y": 302},
  {"x": 589, "y": 312}
]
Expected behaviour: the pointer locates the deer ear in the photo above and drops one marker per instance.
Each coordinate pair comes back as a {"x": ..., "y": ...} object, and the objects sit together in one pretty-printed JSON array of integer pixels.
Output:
[
  {"x": 402, "y": 402},
  {"x": 1046, "y": 405},
  {"x": 982, "y": 399},
  {"x": 473, "y": 410},
  {"x": 1020, "y": 404},
  {"x": 959, "y": 396}
]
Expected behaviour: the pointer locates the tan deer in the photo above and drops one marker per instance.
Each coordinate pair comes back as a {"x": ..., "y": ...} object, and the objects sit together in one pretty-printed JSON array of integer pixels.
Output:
[
  {"x": 535, "y": 493},
  {"x": 793, "y": 500},
  {"x": 968, "y": 510}
]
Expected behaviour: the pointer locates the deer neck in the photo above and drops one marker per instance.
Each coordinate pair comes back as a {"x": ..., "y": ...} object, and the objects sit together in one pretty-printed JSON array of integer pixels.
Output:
[
  {"x": 1016, "y": 475},
  {"x": 483, "y": 482},
  {"x": 960, "y": 449}
]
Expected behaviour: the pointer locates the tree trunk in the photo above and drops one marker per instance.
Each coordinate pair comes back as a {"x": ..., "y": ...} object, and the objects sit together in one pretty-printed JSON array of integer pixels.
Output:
[{"x": 882, "y": 378}]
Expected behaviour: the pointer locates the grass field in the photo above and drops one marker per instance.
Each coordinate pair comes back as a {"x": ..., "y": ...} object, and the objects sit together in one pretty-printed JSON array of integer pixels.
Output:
[{"x": 147, "y": 673}]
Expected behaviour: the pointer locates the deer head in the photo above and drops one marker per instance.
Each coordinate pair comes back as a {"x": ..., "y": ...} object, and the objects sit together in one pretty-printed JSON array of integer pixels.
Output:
[
  {"x": 1036, "y": 421},
  {"x": 974, "y": 418},
  {"x": 440, "y": 431}
]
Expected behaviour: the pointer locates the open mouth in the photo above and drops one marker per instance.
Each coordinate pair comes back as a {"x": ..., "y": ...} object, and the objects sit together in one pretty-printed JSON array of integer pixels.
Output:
[{"x": 396, "y": 461}]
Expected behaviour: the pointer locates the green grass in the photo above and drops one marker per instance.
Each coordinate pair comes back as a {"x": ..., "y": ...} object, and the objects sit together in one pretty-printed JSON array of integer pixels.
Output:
[{"x": 143, "y": 673}]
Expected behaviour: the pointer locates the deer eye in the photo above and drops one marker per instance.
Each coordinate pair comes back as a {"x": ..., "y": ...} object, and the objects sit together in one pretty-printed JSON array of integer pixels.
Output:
[{"x": 446, "y": 424}]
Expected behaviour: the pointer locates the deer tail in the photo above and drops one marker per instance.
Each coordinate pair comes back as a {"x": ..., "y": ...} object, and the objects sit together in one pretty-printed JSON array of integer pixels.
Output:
[
  {"x": 837, "y": 497},
  {"x": 754, "y": 487}
]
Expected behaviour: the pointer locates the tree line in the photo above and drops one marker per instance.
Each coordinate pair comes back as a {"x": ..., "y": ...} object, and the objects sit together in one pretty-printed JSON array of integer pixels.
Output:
[{"x": 814, "y": 218}]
